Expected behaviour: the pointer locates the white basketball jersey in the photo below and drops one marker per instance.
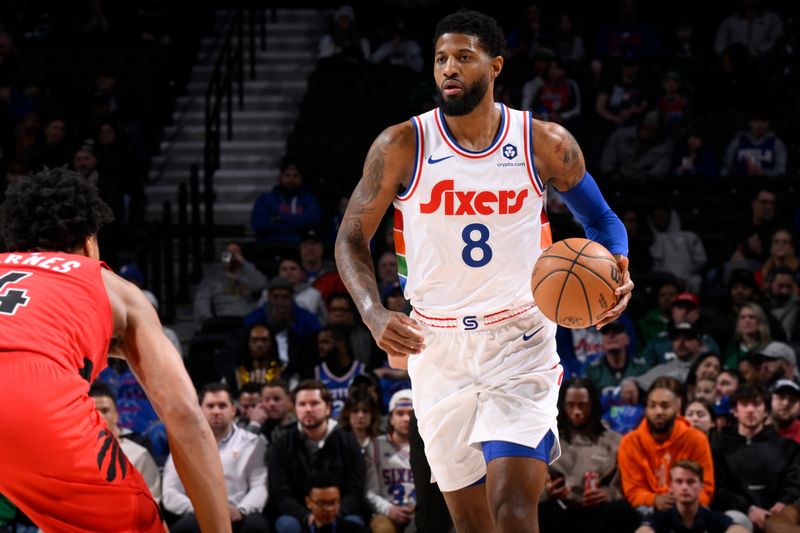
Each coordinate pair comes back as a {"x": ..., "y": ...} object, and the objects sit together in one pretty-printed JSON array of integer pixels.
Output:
[{"x": 468, "y": 229}]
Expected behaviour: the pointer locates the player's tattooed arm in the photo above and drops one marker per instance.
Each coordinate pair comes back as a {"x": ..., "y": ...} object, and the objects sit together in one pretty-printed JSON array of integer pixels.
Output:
[
  {"x": 387, "y": 170},
  {"x": 558, "y": 157}
]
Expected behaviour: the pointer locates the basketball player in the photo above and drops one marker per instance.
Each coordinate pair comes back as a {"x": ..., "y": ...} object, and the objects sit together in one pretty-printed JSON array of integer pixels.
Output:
[
  {"x": 61, "y": 314},
  {"x": 466, "y": 181}
]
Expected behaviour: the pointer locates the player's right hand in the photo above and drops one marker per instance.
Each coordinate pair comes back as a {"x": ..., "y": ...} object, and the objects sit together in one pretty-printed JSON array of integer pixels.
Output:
[{"x": 396, "y": 334}]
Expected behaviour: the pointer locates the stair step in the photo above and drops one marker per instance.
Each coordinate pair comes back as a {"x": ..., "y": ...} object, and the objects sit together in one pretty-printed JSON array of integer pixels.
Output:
[
  {"x": 229, "y": 147},
  {"x": 182, "y": 163},
  {"x": 276, "y": 76},
  {"x": 243, "y": 132},
  {"x": 243, "y": 194},
  {"x": 281, "y": 116},
  {"x": 224, "y": 213}
]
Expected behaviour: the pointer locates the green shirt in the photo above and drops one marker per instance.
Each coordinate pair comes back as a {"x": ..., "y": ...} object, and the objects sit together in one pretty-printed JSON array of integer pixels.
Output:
[{"x": 603, "y": 376}]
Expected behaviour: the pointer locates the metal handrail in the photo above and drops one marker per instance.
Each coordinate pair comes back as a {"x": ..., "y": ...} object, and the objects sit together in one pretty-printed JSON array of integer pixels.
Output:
[{"x": 230, "y": 63}]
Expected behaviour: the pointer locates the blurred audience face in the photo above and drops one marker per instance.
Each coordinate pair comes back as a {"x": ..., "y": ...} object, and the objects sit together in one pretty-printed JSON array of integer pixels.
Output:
[
  {"x": 247, "y": 401},
  {"x": 704, "y": 389},
  {"x": 699, "y": 417},
  {"x": 396, "y": 302},
  {"x": 311, "y": 251},
  {"x": 747, "y": 322},
  {"x": 54, "y": 132},
  {"x": 660, "y": 411},
  {"x": 360, "y": 417},
  {"x": 106, "y": 135},
  {"x": 276, "y": 401},
  {"x": 660, "y": 217},
  {"x": 615, "y": 340},
  {"x": 751, "y": 414},
  {"x": 709, "y": 368},
  {"x": 666, "y": 295},
  {"x": 291, "y": 270},
  {"x": 764, "y": 206},
  {"x": 84, "y": 162},
  {"x": 726, "y": 385},
  {"x": 781, "y": 247},
  {"x": 324, "y": 504},
  {"x": 326, "y": 345},
  {"x": 311, "y": 409},
  {"x": 400, "y": 419},
  {"x": 785, "y": 408},
  {"x": 260, "y": 343},
  {"x": 741, "y": 293},
  {"x": 219, "y": 411},
  {"x": 759, "y": 127},
  {"x": 772, "y": 369},
  {"x": 578, "y": 405},
  {"x": 290, "y": 179},
  {"x": 685, "y": 485},
  {"x": 694, "y": 143},
  {"x": 280, "y": 306},
  {"x": 105, "y": 406},
  {"x": 750, "y": 371},
  {"x": 686, "y": 347},
  {"x": 387, "y": 268},
  {"x": 682, "y": 311},
  {"x": 340, "y": 312},
  {"x": 781, "y": 289}
]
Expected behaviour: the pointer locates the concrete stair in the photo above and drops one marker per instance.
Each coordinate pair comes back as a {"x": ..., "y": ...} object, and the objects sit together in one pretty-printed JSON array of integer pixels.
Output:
[{"x": 249, "y": 162}]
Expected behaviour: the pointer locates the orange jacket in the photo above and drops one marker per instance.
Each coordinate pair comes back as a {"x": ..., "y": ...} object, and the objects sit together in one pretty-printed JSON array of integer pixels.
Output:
[{"x": 644, "y": 463}]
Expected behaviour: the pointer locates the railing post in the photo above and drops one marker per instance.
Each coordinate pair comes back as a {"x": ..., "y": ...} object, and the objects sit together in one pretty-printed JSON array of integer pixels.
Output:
[
  {"x": 183, "y": 243},
  {"x": 156, "y": 279},
  {"x": 168, "y": 302},
  {"x": 252, "y": 46},
  {"x": 194, "y": 198}
]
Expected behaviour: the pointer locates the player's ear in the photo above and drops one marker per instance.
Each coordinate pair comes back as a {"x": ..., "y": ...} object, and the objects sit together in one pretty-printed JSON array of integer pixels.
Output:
[{"x": 496, "y": 65}]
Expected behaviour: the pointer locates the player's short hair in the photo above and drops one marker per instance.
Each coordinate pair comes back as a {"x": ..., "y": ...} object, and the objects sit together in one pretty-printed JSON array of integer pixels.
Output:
[
  {"x": 98, "y": 389},
  {"x": 691, "y": 466},
  {"x": 313, "y": 384},
  {"x": 55, "y": 210},
  {"x": 484, "y": 27},
  {"x": 215, "y": 387}
]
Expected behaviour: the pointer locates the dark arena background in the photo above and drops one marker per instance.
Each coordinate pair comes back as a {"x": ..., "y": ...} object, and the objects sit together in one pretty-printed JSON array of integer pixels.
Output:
[{"x": 227, "y": 138}]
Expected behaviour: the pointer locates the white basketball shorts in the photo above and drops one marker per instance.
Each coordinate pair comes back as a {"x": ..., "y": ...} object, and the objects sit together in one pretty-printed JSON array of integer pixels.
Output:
[{"x": 483, "y": 378}]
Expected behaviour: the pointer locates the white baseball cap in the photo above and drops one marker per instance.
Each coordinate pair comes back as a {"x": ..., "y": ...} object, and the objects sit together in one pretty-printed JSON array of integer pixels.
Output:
[{"x": 401, "y": 398}]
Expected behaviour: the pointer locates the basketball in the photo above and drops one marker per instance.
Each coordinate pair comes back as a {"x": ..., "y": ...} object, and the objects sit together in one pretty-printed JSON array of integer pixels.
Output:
[{"x": 573, "y": 282}]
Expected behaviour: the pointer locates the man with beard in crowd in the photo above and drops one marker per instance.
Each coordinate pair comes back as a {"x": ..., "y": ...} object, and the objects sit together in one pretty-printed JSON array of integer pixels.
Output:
[
  {"x": 315, "y": 445},
  {"x": 647, "y": 454}
]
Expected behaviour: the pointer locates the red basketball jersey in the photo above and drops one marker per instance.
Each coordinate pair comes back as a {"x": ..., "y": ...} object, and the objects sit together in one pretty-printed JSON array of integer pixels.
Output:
[{"x": 55, "y": 305}]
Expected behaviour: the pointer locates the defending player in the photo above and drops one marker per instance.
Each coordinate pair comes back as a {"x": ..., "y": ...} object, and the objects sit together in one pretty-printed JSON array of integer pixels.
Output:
[
  {"x": 61, "y": 313},
  {"x": 466, "y": 181}
]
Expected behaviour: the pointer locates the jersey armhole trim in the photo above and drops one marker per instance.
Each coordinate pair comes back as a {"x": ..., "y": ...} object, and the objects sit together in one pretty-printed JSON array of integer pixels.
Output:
[
  {"x": 419, "y": 159},
  {"x": 528, "y": 134}
]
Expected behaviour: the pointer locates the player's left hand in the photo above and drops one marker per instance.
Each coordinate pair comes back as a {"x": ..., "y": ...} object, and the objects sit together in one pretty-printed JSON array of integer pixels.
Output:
[{"x": 623, "y": 293}]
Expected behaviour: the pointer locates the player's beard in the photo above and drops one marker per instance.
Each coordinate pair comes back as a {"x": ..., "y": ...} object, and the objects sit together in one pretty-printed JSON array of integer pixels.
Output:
[{"x": 470, "y": 97}]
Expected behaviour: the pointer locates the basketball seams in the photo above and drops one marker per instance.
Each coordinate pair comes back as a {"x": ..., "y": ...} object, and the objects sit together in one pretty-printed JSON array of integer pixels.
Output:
[
  {"x": 585, "y": 296},
  {"x": 580, "y": 252},
  {"x": 601, "y": 278},
  {"x": 566, "y": 279}
]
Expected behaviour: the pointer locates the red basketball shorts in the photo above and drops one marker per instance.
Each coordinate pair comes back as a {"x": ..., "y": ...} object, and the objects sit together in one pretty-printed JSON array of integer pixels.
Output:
[{"x": 58, "y": 462}]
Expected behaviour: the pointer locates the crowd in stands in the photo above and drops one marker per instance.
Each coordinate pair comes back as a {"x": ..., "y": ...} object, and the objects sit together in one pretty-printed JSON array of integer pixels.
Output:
[{"x": 685, "y": 411}]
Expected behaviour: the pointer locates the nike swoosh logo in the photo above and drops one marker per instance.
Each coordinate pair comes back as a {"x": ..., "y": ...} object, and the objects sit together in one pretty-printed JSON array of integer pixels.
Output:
[
  {"x": 432, "y": 161},
  {"x": 526, "y": 337}
]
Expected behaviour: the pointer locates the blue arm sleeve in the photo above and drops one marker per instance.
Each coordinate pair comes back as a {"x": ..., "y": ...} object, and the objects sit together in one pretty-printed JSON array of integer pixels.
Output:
[{"x": 600, "y": 223}]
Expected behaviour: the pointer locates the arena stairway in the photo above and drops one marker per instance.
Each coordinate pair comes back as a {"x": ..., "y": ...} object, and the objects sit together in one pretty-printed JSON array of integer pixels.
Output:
[{"x": 249, "y": 163}]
